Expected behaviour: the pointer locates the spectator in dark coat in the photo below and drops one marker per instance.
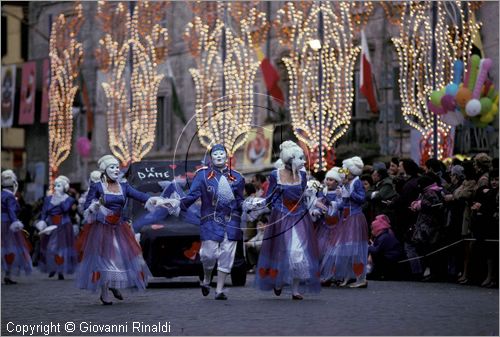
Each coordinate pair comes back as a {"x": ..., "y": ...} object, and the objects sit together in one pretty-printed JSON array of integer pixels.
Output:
[
  {"x": 383, "y": 193},
  {"x": 406, "y": 187},
  {"x": 425, "y": 232},
  {"x": 385, "y": 251},
  {"x": 485, "y": 226}
]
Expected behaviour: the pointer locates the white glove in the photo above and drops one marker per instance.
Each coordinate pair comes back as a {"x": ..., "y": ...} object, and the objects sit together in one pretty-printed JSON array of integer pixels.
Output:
[
  {"x": 152, "y": 203},
  {"x": 316, "y": 213},
  {"x": 333, "y": 208},
  {"x": 16, "y": 226},
  {"x": 345, "y": 192},
  {"x": 76, "y": 230},
  {"x": 41, "y": 225},
  {"x": 338, "y": 191},
  {"x": 94, "y": 206},
  {"x": 138, "y": 237},
  {"x": 171, "y": 204},
  {"x": 374, "y": 194}
]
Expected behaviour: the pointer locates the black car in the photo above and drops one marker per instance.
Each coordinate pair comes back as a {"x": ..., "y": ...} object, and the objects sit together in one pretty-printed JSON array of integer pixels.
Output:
[{"x": 170, "y": 244}]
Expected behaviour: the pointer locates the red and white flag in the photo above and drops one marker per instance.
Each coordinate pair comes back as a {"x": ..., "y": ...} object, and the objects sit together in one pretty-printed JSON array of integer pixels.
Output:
[{"x": 365, "y": 75}]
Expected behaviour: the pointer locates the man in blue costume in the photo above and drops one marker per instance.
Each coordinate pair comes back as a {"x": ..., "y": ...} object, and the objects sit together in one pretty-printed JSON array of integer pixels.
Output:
[{"x": 221, "y": 191}]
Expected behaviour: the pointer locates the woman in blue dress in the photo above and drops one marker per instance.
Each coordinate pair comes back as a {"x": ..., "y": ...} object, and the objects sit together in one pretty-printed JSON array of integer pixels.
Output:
[
  {"x": 57, "y": 252},
  {"x": 289, "y": 253},
  {"x": 15, "y": 248},
  {"x": 110, "y": 256},
  {"x": 330, "y": 217},
  {"x": 350, "y": 251}
]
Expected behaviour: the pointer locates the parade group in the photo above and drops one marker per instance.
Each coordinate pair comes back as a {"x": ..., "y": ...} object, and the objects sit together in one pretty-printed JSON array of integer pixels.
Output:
[{"x": 386, "y": 221}]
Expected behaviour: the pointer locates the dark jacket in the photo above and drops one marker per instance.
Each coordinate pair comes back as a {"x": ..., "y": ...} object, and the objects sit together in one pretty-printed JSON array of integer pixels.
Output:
[
  {"x": 386, "y": 192},
  {"x": 387, "y": 245},
  {"x": 430, "y": 217}
]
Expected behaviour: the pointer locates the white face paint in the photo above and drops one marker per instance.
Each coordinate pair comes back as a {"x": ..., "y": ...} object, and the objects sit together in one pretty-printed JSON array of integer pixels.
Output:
[
  {"x": 113, "y": 171},
  {"x": 219, "y": 158},
  {"x": 59, "y": 187},
  {"x": 298, "y": 162}
]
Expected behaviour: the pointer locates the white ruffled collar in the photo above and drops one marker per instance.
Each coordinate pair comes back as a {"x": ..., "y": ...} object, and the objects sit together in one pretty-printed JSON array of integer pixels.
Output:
[
  {"x": 58, "y": 199},
  {"x": 106, "y": 191},
  {"x": 288, "y": 184},
  {"x": 8, "y": 191},
  {"x": 351, "y": 184}
]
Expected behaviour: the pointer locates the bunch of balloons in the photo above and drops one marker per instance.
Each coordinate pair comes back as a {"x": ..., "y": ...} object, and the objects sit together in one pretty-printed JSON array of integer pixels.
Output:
[{"x": 475, "y": 98}]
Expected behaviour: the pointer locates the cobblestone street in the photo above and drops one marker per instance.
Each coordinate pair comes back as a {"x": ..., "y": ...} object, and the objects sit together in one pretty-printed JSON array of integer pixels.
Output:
[{"x": 384, "y": 308}]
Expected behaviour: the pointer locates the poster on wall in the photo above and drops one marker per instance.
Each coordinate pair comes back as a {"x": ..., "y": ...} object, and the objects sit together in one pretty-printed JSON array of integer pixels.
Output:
[
  {"x": 44, "y": 116},
  {"x": 258, "y": 147},
  {"x": 8, "y": 93},
  {"x": 28, "y": 89}
]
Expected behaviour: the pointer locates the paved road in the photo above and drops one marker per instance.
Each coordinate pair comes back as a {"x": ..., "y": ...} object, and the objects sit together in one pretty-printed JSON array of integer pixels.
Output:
[{"x": 384, "y": 308}]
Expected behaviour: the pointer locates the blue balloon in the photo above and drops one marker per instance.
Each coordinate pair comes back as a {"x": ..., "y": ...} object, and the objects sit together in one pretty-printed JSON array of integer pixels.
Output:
[{"x": 452, "y": 89}]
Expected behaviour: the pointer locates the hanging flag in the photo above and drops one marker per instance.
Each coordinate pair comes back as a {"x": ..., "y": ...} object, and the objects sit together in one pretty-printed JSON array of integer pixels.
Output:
[
  {"x": 28, "y": 89},
  {"x": 8, "y": 93},
  {"x": 271, "y": 77},
  {"x": 477, "y": 43},
  {"x": 176, "y": 104},
  {"x": 365, "y": 75},
  {"x": 44, "y": 117}
]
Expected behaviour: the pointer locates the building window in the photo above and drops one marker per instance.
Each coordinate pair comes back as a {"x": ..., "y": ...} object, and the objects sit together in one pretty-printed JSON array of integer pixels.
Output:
[{"x": 164, "y": 128}]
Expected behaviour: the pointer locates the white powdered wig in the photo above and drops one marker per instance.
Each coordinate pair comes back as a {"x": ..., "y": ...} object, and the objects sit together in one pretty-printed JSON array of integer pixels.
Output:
[
  {"x": 293, "y": 155},
  {"x": 335, "y": 174},
  {"x": 354, "y": 165},
  {"x": 106, "y": 161},
  {"x": 8, "y": 178},
  {"x": 64, "y": 181},
  {"x": 95, "y": 176}
]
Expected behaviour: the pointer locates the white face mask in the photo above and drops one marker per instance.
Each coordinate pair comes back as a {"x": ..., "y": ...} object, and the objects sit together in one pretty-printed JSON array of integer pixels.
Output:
[
  {"x": 298, "y": 163},
  {"x": 59, "y": 187},
  {"x": 113, "y": 171},
  {"x": 219, "y": 158}
]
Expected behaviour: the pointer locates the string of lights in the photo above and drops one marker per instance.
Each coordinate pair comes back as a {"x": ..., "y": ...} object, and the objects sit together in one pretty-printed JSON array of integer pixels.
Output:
[
  {"x": 222, "y": 44},
  {"x": 321, "y": 110},
  {"x": 66, "y": 55},
  {"x": 129, "y": 54},
  {"x": 453, "y": 40}
]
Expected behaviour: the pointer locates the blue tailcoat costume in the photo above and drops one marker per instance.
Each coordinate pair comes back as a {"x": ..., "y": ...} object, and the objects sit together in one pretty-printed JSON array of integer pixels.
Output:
[{"x": 218, "y": 215}]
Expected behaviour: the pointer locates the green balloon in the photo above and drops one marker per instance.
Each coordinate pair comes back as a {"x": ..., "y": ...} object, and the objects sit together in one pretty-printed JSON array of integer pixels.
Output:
[
  {"x": 436, "y": 97},
  {"x": 475, "y": 60},
  {"x": 486, "y": 104}
]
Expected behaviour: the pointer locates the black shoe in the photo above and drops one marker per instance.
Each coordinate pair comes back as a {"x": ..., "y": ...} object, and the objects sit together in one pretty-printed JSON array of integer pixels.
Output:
[
  {"x": 277, "y": 292},
  {"x": 60, "y": 276},
  {"x": 220, "y": 296},
  {"x": 116, "y": 293},
  {"x": 205, "y": 289},
  {"x": 52, "y": 273},
  {"x": 104, "y": 302},
  {"x": 8, "y": 281},
  {"x": 297, "y": 297}
]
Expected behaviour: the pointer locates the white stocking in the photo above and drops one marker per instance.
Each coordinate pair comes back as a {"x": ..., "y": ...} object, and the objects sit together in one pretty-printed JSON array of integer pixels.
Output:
[
  {"x": 105, "y": 293},
  {"x": 221, "y": 280},
  {"x": 208, "y": 276},
  {"x": 295, "y": 286}
]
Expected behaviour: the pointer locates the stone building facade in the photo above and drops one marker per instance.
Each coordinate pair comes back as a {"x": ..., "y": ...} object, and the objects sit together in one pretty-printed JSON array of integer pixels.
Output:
[{"x": 371, "y": 136}]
